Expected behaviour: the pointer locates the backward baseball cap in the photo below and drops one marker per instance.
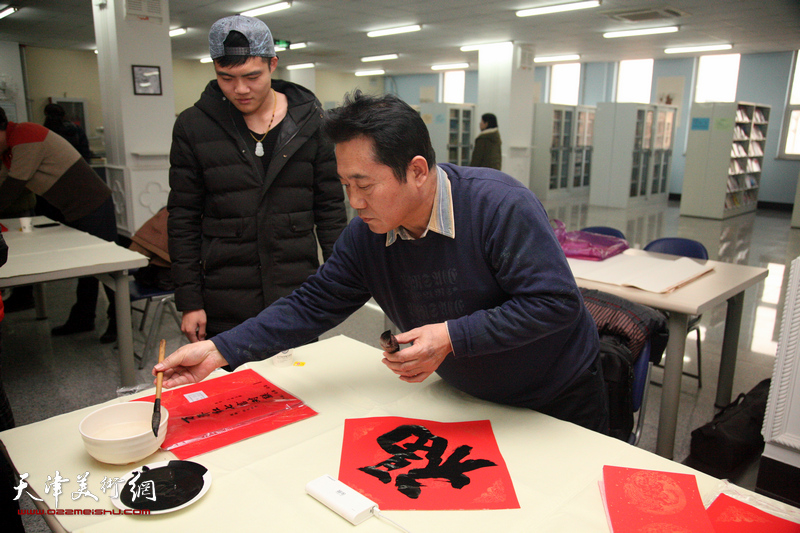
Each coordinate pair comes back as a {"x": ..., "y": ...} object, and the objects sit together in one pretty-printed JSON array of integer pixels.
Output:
[{"x": 255, "y": 30}]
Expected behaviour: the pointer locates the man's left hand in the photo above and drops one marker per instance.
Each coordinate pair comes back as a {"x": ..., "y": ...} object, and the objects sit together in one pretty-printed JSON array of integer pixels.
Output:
[{"x": 415, "y": 363}]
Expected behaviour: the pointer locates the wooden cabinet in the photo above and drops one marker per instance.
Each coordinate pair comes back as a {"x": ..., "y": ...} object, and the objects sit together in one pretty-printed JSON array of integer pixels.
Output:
[
  {"x": 724, "y": 158},
  {"x": 561, "y": 155},
  {"x": 451, "y": 129},
  {"x": 632, "y": 154}
]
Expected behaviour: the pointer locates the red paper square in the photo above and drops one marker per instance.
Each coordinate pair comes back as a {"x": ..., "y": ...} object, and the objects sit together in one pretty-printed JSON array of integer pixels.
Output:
[
  {"x": 653, "y": 502},
  {"x": 402, "y": 463},
  {"x": 730, "y": 515}
]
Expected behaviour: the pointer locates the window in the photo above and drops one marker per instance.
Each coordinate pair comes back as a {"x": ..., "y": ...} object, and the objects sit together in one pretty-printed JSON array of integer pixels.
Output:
[
  {"x": 565, "y": 80},
  {"x": 717, "y": 78},
  {"x": 790, "y": 136},
  {"x": 454, "y": 83},
  {"x": 634, "y": 80}
]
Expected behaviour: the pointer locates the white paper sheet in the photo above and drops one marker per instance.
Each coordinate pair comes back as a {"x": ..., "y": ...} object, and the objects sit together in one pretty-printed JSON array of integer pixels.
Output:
[{"x": 652, "y": 274}]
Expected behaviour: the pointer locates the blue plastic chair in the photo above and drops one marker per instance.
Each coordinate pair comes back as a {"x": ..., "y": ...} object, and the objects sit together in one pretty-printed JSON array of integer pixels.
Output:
[
  {"x": 605, "y": 230},
  {"x": 678, "y": 246},
  {"x": 162, "y": 298},
  {"x": 696, "y": 250}
]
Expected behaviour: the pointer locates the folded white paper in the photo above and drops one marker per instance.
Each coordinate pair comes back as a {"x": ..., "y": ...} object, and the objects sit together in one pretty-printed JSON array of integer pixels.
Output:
[{"x": 652, "y": 274}]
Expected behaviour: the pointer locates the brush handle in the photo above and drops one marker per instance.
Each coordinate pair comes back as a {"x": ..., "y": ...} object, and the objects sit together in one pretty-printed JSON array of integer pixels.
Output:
[{"x": 162, "y": 347}]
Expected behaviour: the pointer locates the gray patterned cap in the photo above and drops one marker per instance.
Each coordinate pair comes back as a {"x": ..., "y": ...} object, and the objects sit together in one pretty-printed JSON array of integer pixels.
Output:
[{"x": 256, "y": 32}]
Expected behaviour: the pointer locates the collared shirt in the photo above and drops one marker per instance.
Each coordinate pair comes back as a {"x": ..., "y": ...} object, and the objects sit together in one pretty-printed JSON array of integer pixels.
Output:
[{"x": 442, "y": 220}]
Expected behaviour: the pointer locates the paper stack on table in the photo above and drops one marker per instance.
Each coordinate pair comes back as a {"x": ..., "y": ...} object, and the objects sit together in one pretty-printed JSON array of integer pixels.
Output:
[
  {"x": 652, "y": 274},
  {"x": 638, "y": 500}
]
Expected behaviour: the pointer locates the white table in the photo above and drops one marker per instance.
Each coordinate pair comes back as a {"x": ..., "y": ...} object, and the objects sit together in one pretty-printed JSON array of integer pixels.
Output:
[
  {"x": 726, "y": 283},
  {"x": 258, "y": 483},
  {"x": 61, "y": 252}
]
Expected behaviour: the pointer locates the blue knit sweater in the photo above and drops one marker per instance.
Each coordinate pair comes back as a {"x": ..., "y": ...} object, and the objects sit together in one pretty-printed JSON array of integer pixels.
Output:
[{"x": 519, "y": 329}]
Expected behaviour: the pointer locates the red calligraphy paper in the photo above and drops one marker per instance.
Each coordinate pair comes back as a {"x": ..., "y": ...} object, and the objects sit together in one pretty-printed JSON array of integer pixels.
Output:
[
  {"x": 403, "y": 463},
  {"x": 730, "y": 515},
  {"x": 217, "y": 412},
  {"x": 651, "y": 501}
]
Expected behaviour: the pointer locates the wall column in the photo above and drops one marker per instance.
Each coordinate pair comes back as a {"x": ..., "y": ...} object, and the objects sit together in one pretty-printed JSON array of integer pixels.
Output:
[
  {"x": 138, "y": 127},
  {"x": 506, "y": 87}
]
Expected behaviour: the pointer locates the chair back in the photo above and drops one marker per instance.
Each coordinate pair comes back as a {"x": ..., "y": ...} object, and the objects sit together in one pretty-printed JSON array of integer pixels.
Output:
[
  {"x": 605, "y": 230},
  {"x": 678, "y": 246}
]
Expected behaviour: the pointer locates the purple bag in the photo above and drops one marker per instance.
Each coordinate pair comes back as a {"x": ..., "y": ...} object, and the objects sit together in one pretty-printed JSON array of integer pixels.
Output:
[{"x": 586, "y": 245}]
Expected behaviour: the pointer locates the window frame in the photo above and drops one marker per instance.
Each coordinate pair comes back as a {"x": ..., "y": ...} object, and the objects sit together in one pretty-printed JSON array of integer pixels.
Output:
[
  {"x": 697, "y": 80},
  {"x": 553, "y": 69},
  {"x": 648, "y": 93},
  {"x": 789, "y": 109}
]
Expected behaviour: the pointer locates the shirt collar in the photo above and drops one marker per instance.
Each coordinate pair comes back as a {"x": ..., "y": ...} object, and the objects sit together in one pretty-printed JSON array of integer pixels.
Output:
[{"x": 442, "y": 220}]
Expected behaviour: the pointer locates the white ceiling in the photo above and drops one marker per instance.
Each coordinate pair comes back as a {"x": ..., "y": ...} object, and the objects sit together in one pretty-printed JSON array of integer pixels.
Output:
[{"x": 336, "y": 29}]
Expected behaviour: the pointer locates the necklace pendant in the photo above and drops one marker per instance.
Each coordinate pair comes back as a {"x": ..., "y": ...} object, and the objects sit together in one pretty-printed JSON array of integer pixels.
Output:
[{"x": 259, "y": 149}]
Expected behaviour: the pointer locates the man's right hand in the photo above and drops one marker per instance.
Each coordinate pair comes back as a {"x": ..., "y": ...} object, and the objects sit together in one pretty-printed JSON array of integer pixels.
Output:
[
  {"x": 190, "y": 364},
  {"x": 193, "y": 325}
]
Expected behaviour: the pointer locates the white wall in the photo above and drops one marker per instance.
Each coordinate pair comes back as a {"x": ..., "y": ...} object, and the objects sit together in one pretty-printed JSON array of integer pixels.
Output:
[
  {"x": 11, "y": 78},
  {"x": 190, "y": 78}
]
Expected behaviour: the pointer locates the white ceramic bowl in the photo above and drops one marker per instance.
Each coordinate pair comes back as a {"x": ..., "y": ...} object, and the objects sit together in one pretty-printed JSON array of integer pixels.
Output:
[{"x": 122, "y": 433}]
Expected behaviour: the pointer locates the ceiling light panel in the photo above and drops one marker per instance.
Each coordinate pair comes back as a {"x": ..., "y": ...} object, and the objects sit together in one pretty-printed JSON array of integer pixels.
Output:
[
  {"x": 644, "y": 31},
  {"x": 384, "y": 57},
  {"x": 451, "y": 66},
  {"x": 558, "y": 8},
  {"x": 263, "y": 10},
  {"x": 692, "y": 49},
  {"x": 555, "y": 59},
  {"x": 394, "y": 31}
]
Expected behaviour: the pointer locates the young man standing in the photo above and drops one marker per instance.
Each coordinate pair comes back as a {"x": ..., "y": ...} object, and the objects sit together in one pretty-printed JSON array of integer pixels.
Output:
[{"x": 253, "y": 186}]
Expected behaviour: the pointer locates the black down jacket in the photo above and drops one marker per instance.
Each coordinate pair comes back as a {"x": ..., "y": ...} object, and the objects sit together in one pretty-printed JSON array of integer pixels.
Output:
[{"x": 239, "y": 239}]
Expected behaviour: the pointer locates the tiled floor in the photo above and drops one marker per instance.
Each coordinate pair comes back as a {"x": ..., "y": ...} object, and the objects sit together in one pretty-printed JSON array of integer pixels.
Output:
[{"x": 46, "y": 376}]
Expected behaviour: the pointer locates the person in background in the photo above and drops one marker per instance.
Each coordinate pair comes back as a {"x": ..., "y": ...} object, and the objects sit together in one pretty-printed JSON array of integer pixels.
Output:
[
  {"x": 22, "y": 296},
  {"x": 54, "y": 120},
  {"x": 463, "y": 260},
  {"x": 487, "y": 152},
  {"x": 251, "y": 180},
  {"x": 35, "y": 158}
]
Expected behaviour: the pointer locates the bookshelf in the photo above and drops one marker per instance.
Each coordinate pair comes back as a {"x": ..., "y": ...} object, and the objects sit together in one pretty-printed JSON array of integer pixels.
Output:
[
  {"x": 561, "y": 155},
  {"x": 451, "y": 129},
  {"x": 633, "y": 156},
  {"x": 724, "y": 158}
]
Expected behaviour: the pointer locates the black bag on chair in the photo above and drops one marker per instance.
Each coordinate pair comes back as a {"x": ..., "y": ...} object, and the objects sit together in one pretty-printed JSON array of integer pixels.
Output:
[
  {"x": 733, "y": 437},
  {"x": 617, "y": 361}
]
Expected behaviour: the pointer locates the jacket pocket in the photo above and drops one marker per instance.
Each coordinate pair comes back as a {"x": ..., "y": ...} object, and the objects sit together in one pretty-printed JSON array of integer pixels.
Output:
[
  {"x": 292, "y": 225},
  {"x": 222, "y": 227},
  {"x": 216, "y": 232}
]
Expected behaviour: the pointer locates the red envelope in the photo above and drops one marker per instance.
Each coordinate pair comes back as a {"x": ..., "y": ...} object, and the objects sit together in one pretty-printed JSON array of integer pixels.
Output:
[{"x": 217, "y": 412}]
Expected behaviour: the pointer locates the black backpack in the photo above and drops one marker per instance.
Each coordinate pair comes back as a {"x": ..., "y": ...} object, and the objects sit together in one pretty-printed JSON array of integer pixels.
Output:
[
  {"x": 733, "y": 437},
  {"x": 624, "y": 327},
  {"x": 618, "y": 362}
]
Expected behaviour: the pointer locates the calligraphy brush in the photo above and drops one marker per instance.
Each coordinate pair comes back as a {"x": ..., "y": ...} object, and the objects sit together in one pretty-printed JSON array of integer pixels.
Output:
[{"x": 159, "y": 377}]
